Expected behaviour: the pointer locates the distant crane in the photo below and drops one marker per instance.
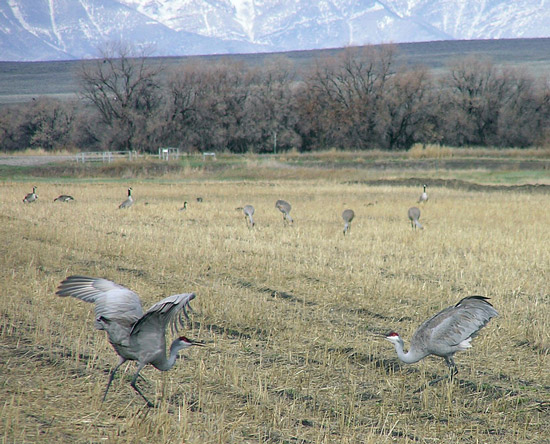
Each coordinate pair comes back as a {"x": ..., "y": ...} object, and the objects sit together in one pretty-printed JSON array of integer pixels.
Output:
[
  {"x": 63, "y": 198},
  {"x": 414, "y": 215},
  {"x": 284, "y": 207},
  {"x": 248, "y": 211},
  {"x": 424, "y": 196},
  {"x": 31, "y": 197},
  {"x": 128, "y": 202},
  {"x": 134, "y": 336},
  {"x": 348, "y": 216},
  {"x": 449, "y": 331}
]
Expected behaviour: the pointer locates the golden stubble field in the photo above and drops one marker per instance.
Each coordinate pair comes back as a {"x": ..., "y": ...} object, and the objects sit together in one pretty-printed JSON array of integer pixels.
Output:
[{"x": 289, "y": 314}]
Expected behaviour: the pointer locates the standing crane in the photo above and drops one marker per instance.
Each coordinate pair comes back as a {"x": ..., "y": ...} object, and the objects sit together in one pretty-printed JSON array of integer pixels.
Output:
[
  {"x": 284, "y": 207},
  {"x": 248, "y": 211},
  {"x": 348, "y": 216},
  {"x": 424, "y": 196},
  {"x": 128, "y": 202},
  {"x": 414, "y": 215},
  {"x": 31, "y": 197},
  {"x": 135, "y": 336},
  {"x": 449, "y": 331}
]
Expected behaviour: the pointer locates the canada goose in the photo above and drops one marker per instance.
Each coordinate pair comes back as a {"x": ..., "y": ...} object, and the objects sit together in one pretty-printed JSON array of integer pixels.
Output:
[
  {"x": 424, "y": 196},
  {"x": 348, "y": 216},
  {"x": 284, "y": 207},
  {"x": 63, "y": 198},
  {"x": 128, "y": 202},
  {"x": 199, "y": 199},
  {"x": 31, "y": 197},
  {"x": 184, "y": 206},
  {"x": 414, "y": 215},
  {"x": 248, "y": 211}
]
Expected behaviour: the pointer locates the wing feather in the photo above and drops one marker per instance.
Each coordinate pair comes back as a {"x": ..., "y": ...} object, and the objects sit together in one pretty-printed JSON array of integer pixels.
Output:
[
  {"x": 453, "y": 325},
  {"x": 112, "y": 301},
  {"x": 168, "y": 311}
]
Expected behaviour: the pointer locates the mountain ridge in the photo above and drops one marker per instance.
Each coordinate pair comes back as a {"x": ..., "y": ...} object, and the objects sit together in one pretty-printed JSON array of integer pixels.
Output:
[{"x": 75, "y": 29}]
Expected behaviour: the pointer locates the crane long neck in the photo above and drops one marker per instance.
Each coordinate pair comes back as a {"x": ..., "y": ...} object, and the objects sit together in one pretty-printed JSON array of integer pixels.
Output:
[
  {"x": 165, "y": 363},
  {"x": 408, "y": 358}
]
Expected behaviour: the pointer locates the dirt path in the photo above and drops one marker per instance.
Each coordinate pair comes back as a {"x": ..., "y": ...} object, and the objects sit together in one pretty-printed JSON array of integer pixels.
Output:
[
  {"x": 33, "y": 160},
  {"x": 456, "y": 184}
]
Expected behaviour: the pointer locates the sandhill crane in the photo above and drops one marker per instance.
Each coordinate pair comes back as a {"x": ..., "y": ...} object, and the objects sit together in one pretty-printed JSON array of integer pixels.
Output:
[
  {"x": 348, "y": 216},
  {"x": 248, "y": 211},
  {"x": 449, "y": 331},
  {"x": 128, "y": 202},
  {"x": 63, "y": 198},
  {"x": 424, "y": 196},
  {"x": 284, "y": 207},
  {"x": 134, "y": 336},
  {"x": 184, "y": 206},
  {"x": 414, "y": 215},
  {"x": 31, "y": 197}
]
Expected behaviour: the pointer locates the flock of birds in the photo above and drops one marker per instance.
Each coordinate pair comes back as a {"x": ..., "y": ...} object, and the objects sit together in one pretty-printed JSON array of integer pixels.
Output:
[
  {"x": 33, "y": 197},
  {"x": 282, "y": 205},
  {"x": 138, "y": 336},
  {"x": 248, "y": 210}
]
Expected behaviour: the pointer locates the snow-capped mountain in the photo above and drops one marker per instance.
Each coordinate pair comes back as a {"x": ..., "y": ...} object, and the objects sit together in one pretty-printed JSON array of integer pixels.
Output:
[{"x": 67, "y": 29}]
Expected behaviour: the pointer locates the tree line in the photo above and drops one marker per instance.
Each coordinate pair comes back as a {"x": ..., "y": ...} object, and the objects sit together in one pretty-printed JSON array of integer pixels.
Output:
[{"x": 361, "y": 99}]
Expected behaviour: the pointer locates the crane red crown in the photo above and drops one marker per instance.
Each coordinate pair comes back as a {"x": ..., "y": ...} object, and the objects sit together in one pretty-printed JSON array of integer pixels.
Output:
[{"x": 392, "y": 334}]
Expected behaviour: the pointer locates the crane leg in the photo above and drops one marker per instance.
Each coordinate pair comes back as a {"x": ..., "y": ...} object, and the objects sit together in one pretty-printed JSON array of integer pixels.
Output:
[
  {"x": 121, "y": 361},
  {"x": 452, "y": 366},
  {"x": 135, "y": 387},
  {"x": 453, "y": 371}
]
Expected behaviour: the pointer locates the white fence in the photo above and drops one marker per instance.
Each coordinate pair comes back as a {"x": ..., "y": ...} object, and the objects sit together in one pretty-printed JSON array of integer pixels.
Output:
[
  {"x": 165, "y": 153},
  {"x": 169, "y": 153},
  {"x": 105, "y": 156}
]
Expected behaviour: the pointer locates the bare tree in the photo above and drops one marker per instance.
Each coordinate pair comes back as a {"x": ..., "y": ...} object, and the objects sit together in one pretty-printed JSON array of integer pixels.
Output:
[
  {"x": 408, "y": 109},
  {"x": 475, "y": 93},
  {"x": 344, "y": 96},
  {"x": 124, "y": 88},
  {"x": 50, "y": 123},
  {"x": 206, "y": 106},
  {"x": 271, "y": 114}
]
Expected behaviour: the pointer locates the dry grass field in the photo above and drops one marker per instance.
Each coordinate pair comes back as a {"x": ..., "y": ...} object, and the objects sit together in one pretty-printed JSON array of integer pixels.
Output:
[{"x": 289, "y": 314}]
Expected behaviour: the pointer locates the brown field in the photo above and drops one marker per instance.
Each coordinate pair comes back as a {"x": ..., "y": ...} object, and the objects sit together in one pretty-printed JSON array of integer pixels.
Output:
[{"x": 289, "y": 313}]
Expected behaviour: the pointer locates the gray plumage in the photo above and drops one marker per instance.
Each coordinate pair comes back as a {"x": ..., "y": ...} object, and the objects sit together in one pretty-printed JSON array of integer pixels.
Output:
[
  {"x": 424, "y": 196},
  {"x": 64, "y": 198},
  {"x": 449, "y": 331},
  {"x": 135, "y": 336},
  {"x": 348, "y": 216},
  {"x": 248, "y": 211},
  {"x": 128, "y": 202},
  {"x": 414, "y": 215},
  {"x": 31, "y": 197},
  {"x": 284, "y": 207}
]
